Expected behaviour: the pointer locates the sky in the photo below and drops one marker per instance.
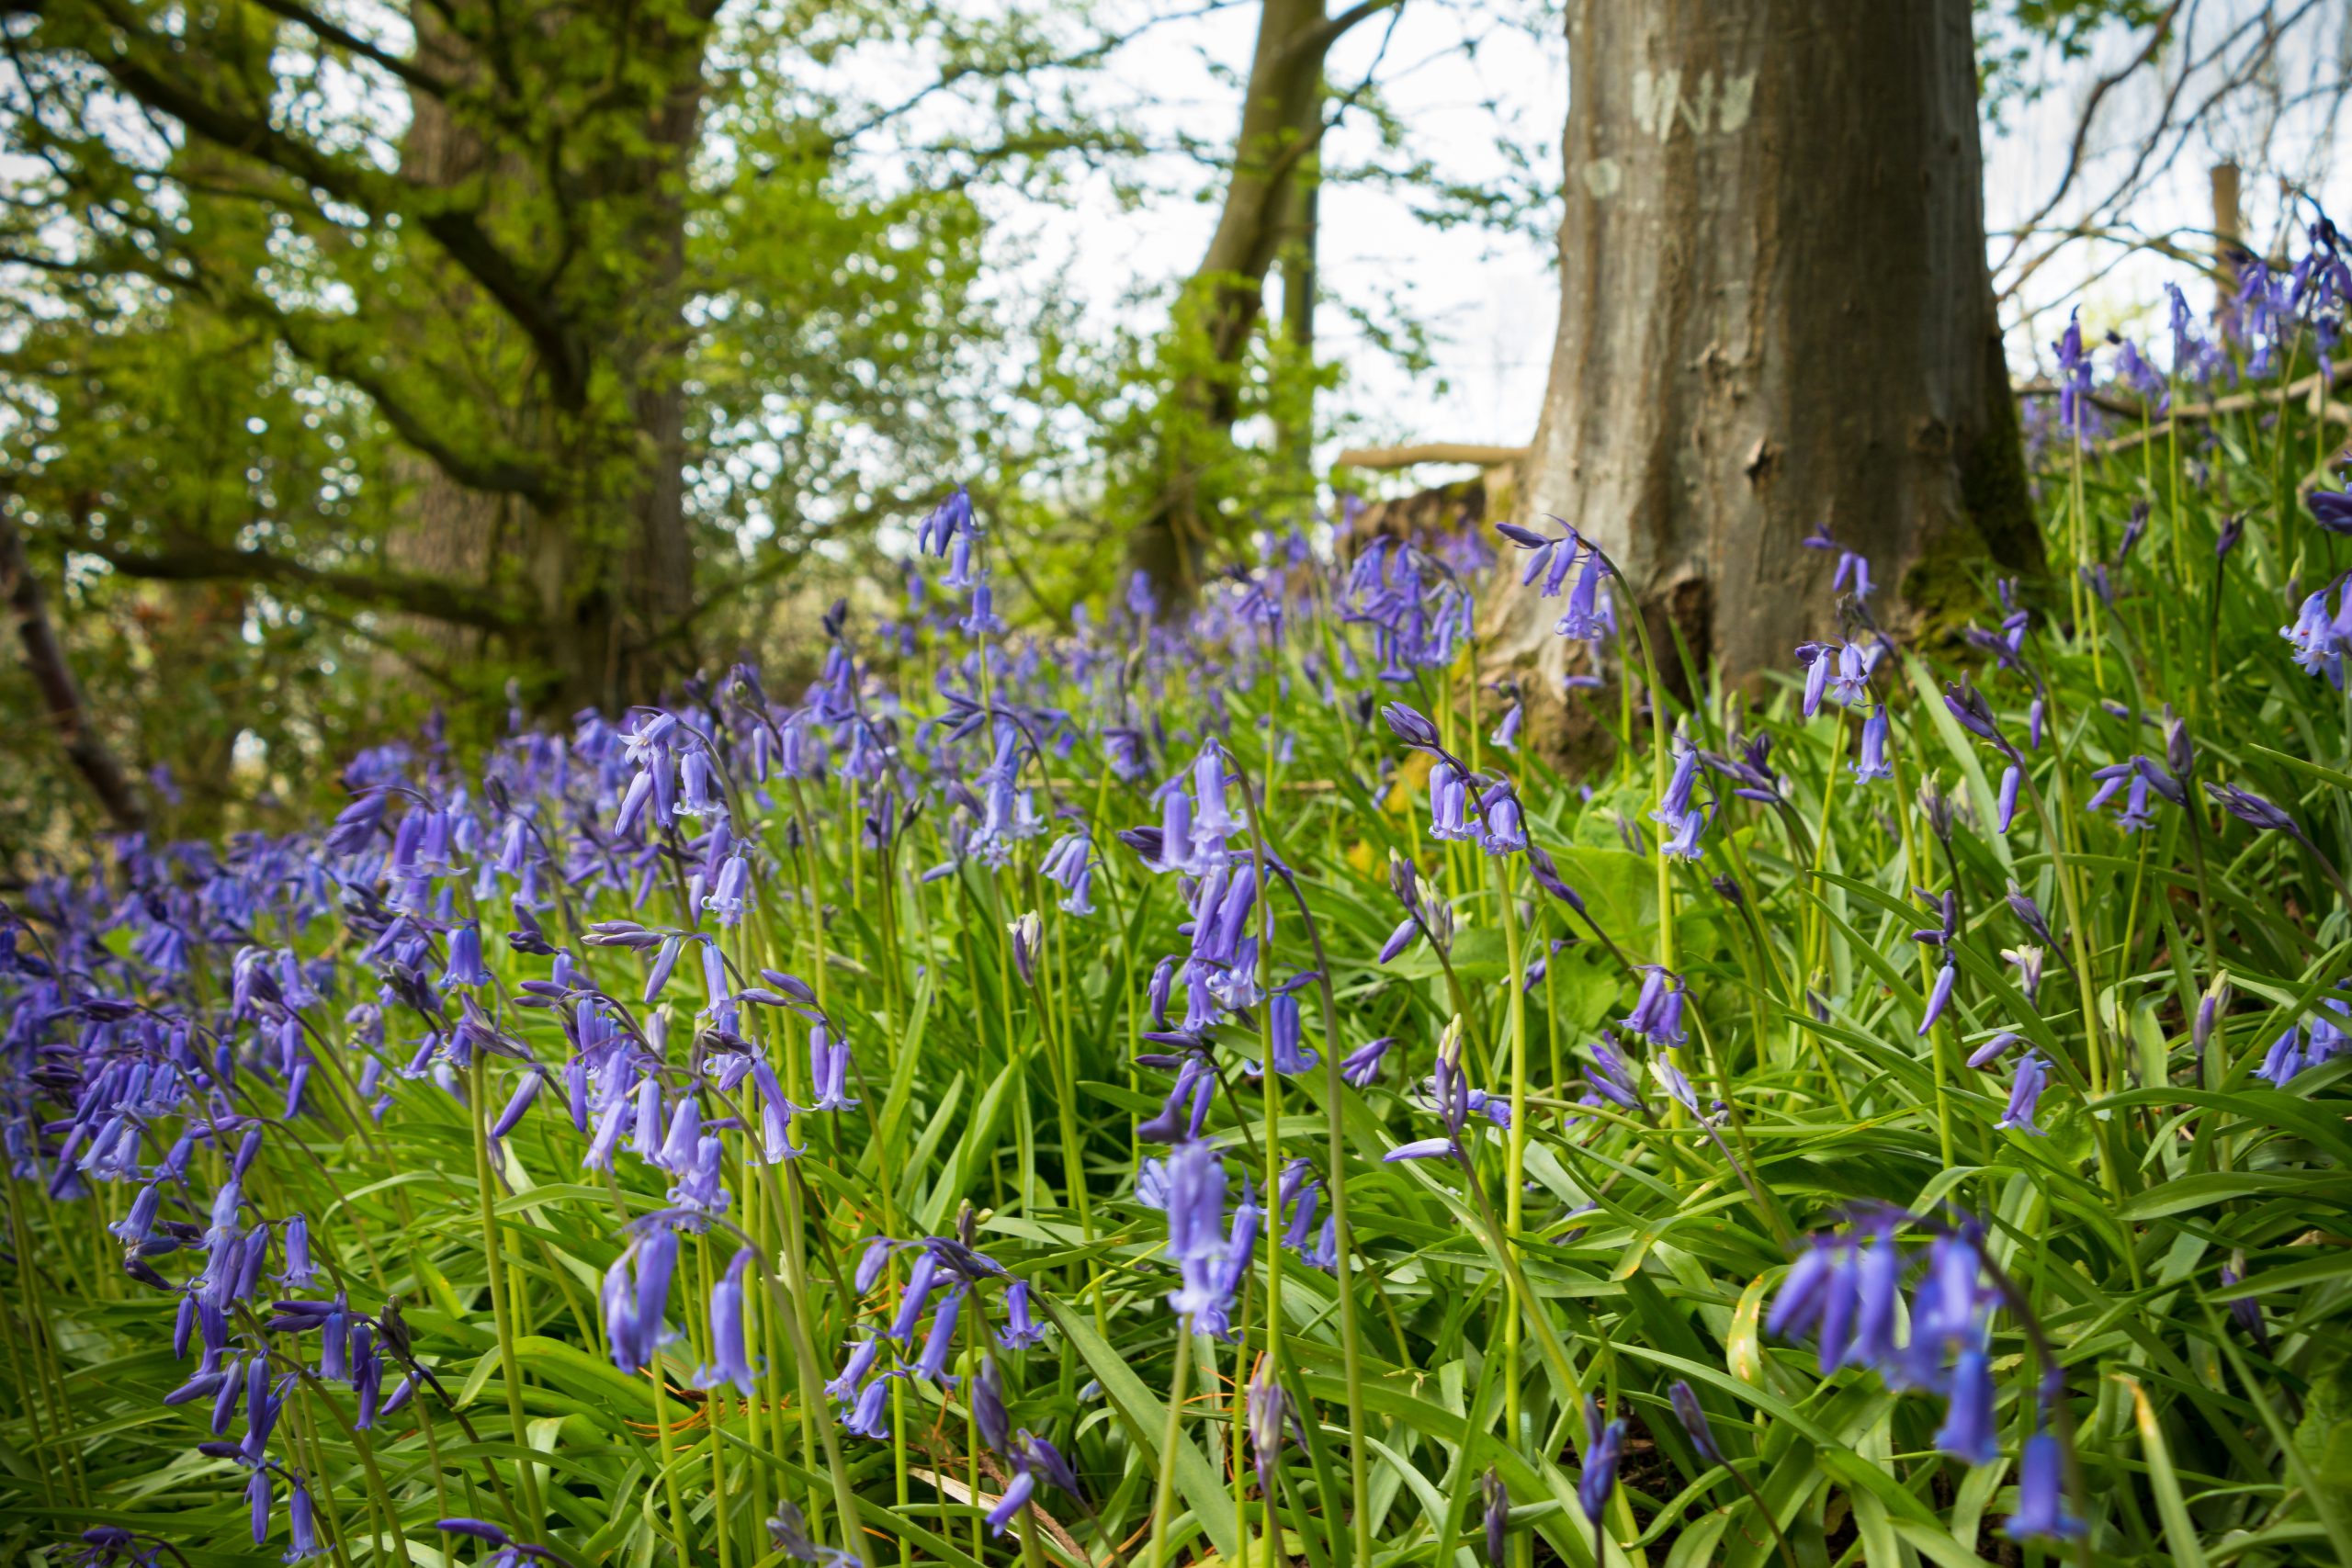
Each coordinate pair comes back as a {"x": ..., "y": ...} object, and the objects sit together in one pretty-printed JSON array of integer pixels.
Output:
[{"x": 1462, "y": 81}]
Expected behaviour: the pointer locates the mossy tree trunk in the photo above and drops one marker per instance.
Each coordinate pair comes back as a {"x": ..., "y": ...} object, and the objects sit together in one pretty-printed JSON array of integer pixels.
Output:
[{"x": 1774, "y": 313}]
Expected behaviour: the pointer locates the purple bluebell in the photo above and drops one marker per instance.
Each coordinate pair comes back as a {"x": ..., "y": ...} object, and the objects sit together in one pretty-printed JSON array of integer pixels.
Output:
[
  {"x": 939, "y": 1345},
  {"x": 2028, "y": 913},
  {"x": 1268, "y": 1421},
  {"x": 1604, "y": 1444},
  {"x": 1021, "y": 1330},
  {"x": 2025, "y": 1094},
  {"x": 1938, "y": 995},
  {"x": 730, "y": 1347},
  {"x": 2252, "y": 810},
  {"x": 1495, "y": 1516},
  {"x": 1290, "y": 1054},
  {"x": 636, "y": 1293},
  {"x": 829, "y": 1066},
  {"x": 1970, "y": 1432},
  {"x": 870, "y": 1416},
  {"x": 1871, "y": 762},
  {"x": 2318, "y": 637},
  {"x": 525, "y": 1093},
  {"x": 2284, "y": 1059},
  {"x": 1693, "y": 1416},
  {"x": 1656, "y": 1015},
  {"x": 2332, "y": 509},
  {"x": 2042, "y": 1511},
  {"x": 1360, "y": 1066},
  {"x": 1993, "y": 1050},
  {"x": 986, "y": 1394},
  {"x": 1612, "y": 1078},
  {"x": 2246, "y": 1311},
  {"x": 1196, "y": 1218},
  {"x": 464, "y": 967}
]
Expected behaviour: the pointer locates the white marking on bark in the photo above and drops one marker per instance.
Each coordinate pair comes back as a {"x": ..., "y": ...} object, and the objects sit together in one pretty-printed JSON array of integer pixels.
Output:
[
  {"x": 1697, "y": 115},
  {"x": 1601, "y": 177},
  {"x": 1658, "y": 103},
  {"x": 1654, "y": 97},
  {"x": 1739, "y": 97}
]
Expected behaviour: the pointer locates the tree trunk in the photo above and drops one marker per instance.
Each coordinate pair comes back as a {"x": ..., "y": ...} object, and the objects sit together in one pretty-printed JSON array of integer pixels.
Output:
[
  {"x": 607, "y": 561},
  {"x": 449, "y": 530},
  {"x": 1268, "y": 204},
  {"x": 1774, "y": 313}
]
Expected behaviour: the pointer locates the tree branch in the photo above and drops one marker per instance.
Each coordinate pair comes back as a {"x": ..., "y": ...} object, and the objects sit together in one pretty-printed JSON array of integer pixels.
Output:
[
  {"x": 60, "y": 692},
  {"x": 458, "y": 232},
  {"x": 408, "y": 71},
  {"x": 1317, "y": 41},
  {"x": 436, "y": 598}
]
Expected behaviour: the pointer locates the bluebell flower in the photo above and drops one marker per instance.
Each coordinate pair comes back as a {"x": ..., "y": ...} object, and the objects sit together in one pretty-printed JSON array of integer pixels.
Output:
[
  {"x": 1993, "y": 1050},
  {"x": 1290, "y": 1054},
  {"x": 1502, "y": 830},
  {"x": 730, "y": 1347},
  {"x": 1495, "y": 1516},
  {"x": 1693, "y": 1416},
  {"x": 1854, "y": 573},
  {"x": 2284, "y": 1059},
  {"x": 1448, "y": 802},
  {"x": 525, "y": 1093},
  {"x": 2332, "y": 509},
  {"x": 1195, "y": 1207},
  {"x": 464, "y": 967},
  {"x": 2319, "y": 638},
  {"x": 855, "y": 1372},
  {"x": 870, "y": 1416},
  {"x": 2025, "y": 1094},
  {"x": 2041, "y": 1509},
  {"x": 829, "y": 1064},
  {"x": 986, "y": 1396},
  {"x": 1872, "y": 763},
  {"x": 1021, "y": 1329},
  {"x": 1657, "y": 1011},
  {"x": 1970, "y": 1432},
  {"x": 1268, "y": 1420},
  {"x": 1604, "y": 1443},
  {"x": 1360, "y": 1066},
  {"x": 1938, "y": 995},
  {"x": 636, "y": 1293},
  {"x": 2246, "y": 1311},
  {"x": 1612, "y": 1078},
  {"x": 1671, "y": 1079},
  {"x": 939, "y": 1345},
  {"x": 2252, "y": 810}
]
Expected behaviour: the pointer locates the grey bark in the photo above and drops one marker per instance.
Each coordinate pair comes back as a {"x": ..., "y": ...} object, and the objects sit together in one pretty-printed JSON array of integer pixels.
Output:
[{"x": 1774, "y": 312}]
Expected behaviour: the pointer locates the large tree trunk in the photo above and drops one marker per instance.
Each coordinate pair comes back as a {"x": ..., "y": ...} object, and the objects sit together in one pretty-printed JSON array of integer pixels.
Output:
[
  {"x": 1774, "y": 313},
  {"x": 607, "y": 559}
]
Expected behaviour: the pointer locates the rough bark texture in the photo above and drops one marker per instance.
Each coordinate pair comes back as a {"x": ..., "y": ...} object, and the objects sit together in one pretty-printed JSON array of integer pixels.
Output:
[
  {"x": 448, "y": 530},
  {"x": 608, "y": 561},
  {"x": 1774, "y": 313}
]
